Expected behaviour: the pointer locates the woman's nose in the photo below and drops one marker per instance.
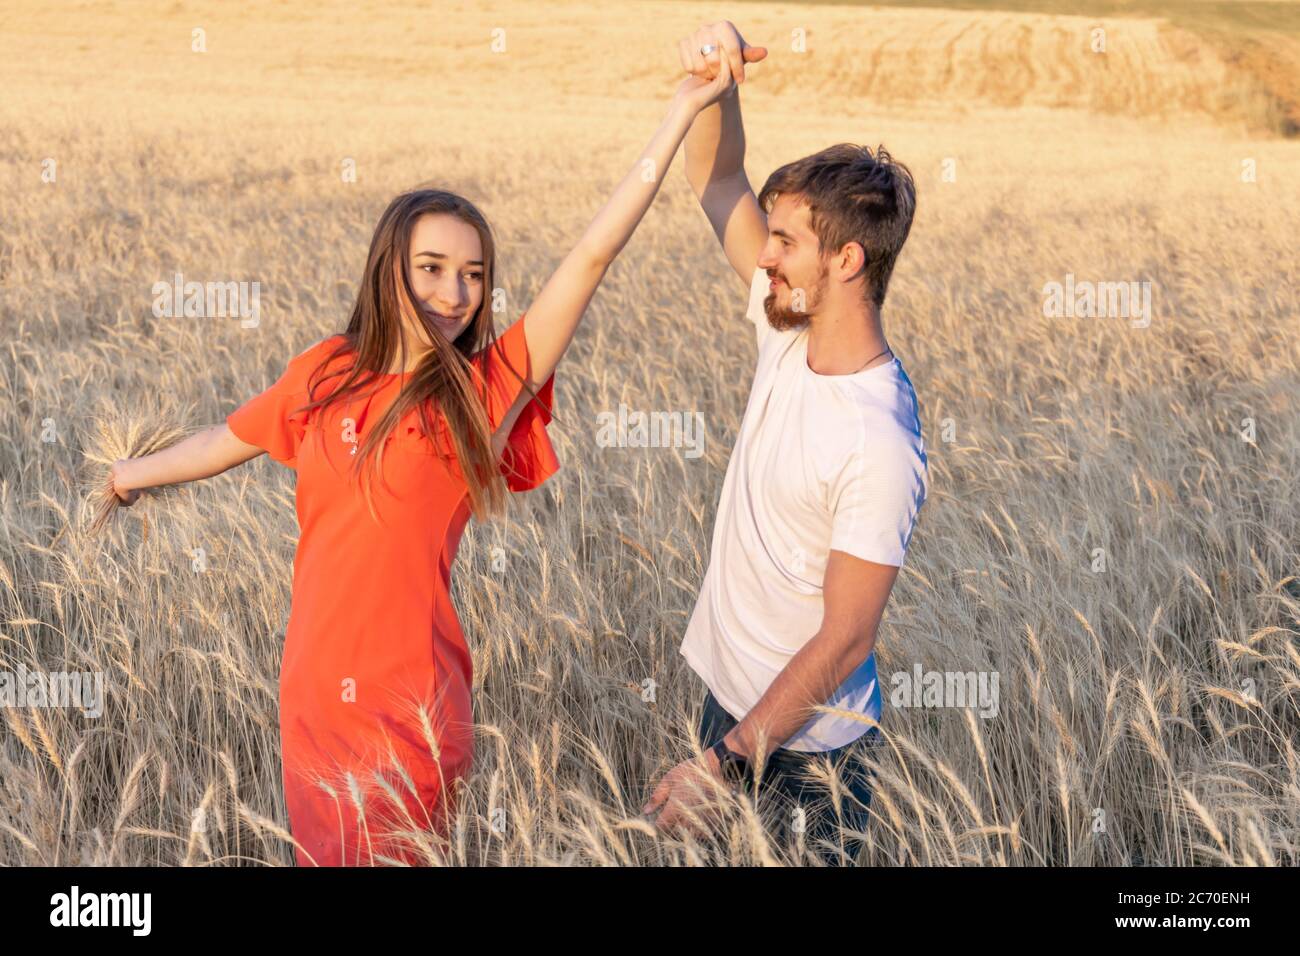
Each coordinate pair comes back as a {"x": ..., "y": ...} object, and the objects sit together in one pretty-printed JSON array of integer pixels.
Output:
[{"x": 452, "y": 295}]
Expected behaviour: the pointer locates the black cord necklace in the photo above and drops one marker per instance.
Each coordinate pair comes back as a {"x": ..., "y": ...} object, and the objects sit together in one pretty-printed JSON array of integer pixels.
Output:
[{"x": 872, "y": 359}]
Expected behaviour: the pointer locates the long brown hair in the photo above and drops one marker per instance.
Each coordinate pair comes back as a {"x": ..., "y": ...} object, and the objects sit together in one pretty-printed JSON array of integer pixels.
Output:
[{"x": 446, "y": 382}]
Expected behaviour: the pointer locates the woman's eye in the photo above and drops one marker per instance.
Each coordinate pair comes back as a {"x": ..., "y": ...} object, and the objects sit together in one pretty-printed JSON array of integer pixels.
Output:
[
  {"x": 476, "y": 276},
  {"x": 429, "y": 266}
]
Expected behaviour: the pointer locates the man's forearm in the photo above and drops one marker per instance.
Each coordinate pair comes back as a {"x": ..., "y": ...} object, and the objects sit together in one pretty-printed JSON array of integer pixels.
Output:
[
  {"x": 715, "y": 145},
  {"x": 808, "y": 680}
]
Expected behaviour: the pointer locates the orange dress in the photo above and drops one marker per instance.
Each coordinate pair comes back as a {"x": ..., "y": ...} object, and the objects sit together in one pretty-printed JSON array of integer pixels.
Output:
[{"x": 376, "y": 723}]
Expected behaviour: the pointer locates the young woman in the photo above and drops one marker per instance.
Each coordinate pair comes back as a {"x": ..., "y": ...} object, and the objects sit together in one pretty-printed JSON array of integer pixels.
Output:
[{"x": 375, "y": 714}]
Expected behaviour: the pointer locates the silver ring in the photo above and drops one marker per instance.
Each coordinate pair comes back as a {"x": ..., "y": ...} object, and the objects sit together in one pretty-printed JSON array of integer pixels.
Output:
[{"x": 708, "y": 48}]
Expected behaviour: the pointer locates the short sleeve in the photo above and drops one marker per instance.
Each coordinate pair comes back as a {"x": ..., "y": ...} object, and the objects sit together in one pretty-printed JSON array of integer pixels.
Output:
[
  {"x": 271, "y": 420},
  {"x": 875, "y": 500},
  {"x": 528, "y": 459}
]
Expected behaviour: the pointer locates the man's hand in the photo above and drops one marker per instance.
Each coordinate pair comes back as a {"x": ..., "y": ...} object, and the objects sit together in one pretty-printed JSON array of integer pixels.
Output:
[
  {"x": 726, "y": 41},
  {"x": 699, "y": 92},
  {"x": 686, "y": 793}
]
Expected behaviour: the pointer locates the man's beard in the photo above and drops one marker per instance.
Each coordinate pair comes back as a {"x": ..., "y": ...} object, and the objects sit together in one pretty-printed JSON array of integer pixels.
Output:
[{"x": 783, "y": 319}]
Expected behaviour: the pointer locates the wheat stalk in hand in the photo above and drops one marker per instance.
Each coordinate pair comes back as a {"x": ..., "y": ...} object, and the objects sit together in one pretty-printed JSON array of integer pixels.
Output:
[{"x": 116, "y": 436}]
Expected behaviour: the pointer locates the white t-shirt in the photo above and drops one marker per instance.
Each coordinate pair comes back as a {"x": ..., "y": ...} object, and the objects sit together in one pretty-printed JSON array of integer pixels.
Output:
[{"x": 821, "y": 462}]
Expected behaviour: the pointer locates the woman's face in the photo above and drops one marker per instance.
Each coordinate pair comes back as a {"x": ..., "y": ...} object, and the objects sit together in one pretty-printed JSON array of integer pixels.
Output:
[{"x": 446, "y": 265}]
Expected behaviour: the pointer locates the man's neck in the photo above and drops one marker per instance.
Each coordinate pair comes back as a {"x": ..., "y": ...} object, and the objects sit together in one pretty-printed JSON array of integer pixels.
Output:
[{"x": 844, "y": 341}]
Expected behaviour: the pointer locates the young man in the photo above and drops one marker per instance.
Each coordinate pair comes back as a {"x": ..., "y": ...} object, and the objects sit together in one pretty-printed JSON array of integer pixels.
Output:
[{"x": 825, "y": 481}]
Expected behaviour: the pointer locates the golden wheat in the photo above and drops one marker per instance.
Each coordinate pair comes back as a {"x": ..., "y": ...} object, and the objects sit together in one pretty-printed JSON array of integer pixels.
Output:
[{"x": 1148, "y": 711}]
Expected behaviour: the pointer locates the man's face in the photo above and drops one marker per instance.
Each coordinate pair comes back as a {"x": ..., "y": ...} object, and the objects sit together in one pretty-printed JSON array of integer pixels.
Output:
[{"x": 791, "y": 259}]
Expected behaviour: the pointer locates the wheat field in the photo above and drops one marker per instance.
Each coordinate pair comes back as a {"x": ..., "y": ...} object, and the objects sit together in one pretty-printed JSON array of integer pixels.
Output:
[{"x": 1114, "y": 518}]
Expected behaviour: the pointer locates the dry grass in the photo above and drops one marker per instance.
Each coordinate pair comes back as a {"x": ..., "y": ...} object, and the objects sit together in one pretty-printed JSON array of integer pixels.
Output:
[
  {"x": 1123, "y": 694},
  {"x": 1225, "y": 58}
]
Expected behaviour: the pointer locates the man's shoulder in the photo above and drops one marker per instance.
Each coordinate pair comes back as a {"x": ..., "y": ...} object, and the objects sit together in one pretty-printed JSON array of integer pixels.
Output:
[
  {"x": 879, "y": 428},
  {"x": 881, "y": 407}
]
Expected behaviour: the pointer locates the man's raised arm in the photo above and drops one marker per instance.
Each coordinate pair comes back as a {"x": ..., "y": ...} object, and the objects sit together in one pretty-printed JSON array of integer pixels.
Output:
[{"x": 715, "y": 149}]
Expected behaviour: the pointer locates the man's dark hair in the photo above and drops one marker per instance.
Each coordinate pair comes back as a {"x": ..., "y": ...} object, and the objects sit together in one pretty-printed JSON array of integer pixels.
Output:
[{"x": 853, "y": 195}]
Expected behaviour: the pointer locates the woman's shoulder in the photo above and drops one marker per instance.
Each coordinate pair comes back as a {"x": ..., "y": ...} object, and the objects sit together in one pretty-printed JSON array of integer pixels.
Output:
[
  {"x": 321, "y": 348},
  {"x": 306, "y": 361},
  {"x": 313, "y": 363}
]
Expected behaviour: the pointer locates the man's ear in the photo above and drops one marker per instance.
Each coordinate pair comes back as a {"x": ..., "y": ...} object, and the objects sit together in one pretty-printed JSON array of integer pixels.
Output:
[{"x": 851, "y": 261}]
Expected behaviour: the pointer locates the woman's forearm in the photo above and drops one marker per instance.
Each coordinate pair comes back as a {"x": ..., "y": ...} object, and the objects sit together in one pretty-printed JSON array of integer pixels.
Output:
[
  {"x": 614, "y": 224},
  {"x": 554, "y": 315},
  {"x": 201, "y": 455}
]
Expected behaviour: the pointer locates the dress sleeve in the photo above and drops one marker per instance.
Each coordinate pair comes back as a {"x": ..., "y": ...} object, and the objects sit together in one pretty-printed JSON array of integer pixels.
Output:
[
  {"x": 271, "y": 420},
  {"x": 528, "y": 459}
]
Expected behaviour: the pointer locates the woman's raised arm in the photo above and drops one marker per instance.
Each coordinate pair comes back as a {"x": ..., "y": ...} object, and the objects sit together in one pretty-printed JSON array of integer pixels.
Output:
[{"x": 551, "y": 320}]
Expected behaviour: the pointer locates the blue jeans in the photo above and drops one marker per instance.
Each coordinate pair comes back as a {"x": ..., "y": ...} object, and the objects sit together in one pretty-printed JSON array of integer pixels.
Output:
[{"x": 827, "y": 829}]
